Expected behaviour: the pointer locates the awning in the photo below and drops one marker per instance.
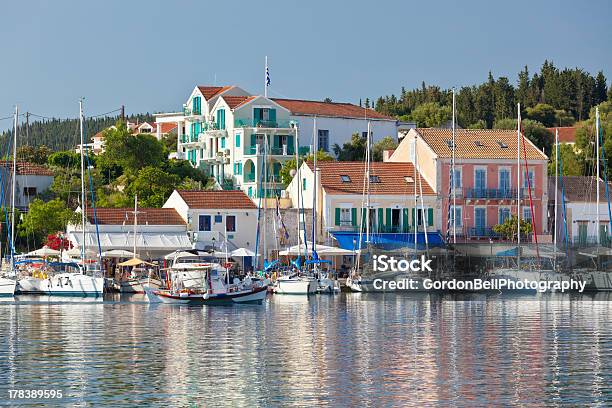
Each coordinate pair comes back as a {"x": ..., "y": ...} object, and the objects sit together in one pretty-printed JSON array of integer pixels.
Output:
[
  {"x": 134, "y": 262},
  {"x": 322, "y": 250},
  {"x": 163, "y": 241}
]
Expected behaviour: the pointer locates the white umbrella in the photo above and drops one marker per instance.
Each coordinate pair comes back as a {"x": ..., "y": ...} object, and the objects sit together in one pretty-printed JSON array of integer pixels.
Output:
[
  {"x": 74, "y": 251},
  {"x": 117, "y": 253},
  {"x": 243, "y": 253},
  {"x": 44, "y": 252}
]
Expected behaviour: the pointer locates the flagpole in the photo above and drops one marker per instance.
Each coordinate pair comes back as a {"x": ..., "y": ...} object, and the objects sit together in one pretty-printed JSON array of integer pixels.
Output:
[{"x": 266, "y": 79}]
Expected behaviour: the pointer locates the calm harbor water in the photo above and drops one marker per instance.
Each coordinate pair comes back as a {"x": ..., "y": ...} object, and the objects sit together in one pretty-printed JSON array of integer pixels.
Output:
[{"x": 345, "y": 350}]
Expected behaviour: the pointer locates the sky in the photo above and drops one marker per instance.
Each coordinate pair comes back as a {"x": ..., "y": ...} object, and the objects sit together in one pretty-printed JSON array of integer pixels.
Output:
[{"x": 148, "y": 55}]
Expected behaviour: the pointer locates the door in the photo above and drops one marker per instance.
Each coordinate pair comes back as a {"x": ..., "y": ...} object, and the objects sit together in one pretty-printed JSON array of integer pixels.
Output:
[
  {"x": 480, "y": 221},
  {"x": 504, "y": 181},
  {"x": 582, "y": 232},
  {"x": 480, "y": 180}
]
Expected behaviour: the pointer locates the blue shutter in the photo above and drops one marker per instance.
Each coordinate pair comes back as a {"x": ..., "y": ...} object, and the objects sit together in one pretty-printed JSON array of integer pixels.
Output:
[{"x": 272, "y": 115}]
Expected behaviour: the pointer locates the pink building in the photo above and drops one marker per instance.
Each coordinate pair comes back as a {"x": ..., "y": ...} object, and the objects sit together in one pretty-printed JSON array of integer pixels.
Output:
[{"x": 485, "y": 180}]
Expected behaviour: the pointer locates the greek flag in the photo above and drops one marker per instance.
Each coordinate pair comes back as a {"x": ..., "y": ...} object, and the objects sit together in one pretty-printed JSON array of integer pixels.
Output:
[{"x": 267, "y": 76}]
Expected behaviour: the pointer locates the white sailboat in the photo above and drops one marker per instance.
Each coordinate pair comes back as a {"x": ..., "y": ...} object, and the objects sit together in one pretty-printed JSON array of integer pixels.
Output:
[
  {"x": 8, "y": 283},
  {"x": 79, "y": 283}
]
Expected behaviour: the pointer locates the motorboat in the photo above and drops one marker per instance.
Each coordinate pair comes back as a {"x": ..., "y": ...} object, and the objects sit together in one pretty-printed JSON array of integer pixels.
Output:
[{"x": 295, "y": 284}]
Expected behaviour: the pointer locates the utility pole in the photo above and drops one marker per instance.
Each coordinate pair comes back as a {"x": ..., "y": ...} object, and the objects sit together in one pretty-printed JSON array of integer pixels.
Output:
[{"x": 123, "y": 113}]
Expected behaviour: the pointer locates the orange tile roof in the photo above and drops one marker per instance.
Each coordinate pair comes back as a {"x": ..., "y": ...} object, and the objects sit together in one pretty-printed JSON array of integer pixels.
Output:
[
  {"x": 478, "y": 144},
  {"x": 217, "y": 199},
  {"x": 567, "y": 134},
  {"x": 146, "y": 216},
  {"x": 344, "y": 110},
  {"x": 235, "y": 101},
  {"x": 211, "y": 91},
  {"x": 391, "y": 176},
  {"x": 166, "y": 127},
  {"x": 27, "y": 169}
]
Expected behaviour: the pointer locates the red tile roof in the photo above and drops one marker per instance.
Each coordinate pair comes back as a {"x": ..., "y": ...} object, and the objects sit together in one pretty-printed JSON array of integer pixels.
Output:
[
  {"x": 146, "y": 216},
  {"x": 567, "y": 134},
  {"x": 336, "y": 109},
  {"x": 211, "y": 91},
  {"x": 213, "y": 199},
  {"x": 477, "y": 143},
  {"x": 166, "y": 127},
  {"x": 27, "y": 169},
  {"x": 392, "y": 177},
  {"x": 235, "y": 101}
]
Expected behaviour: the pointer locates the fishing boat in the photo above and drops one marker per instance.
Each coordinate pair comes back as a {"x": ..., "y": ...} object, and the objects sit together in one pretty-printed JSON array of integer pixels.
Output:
[{"x": 214, "y": 291}]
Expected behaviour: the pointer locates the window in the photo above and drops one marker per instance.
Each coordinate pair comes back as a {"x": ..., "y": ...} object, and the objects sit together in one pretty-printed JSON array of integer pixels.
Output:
[
  {"x": 374, "y": 179},
  {"x": 527, "y": 214},
  {"x": 480, "y": 179},
  {"x": 223, "y": 142},
  {"x": 345, "y": 216},
  {"x": 480, "y": 218},
  {"x": 237, "y": 139},
  {"x": 230, "y": 223},
  {"x": 304, "y": 184},
  {"x": 323, "y": 142},
  {"x": 197, "y": 105},
  {"x": 264, "y": 117},
  {"x": 204, "y": 223},
  {"x": 345, "y": 178},
  {"x": 221, "y": 119},
  {"x": 504, "y": 179},
  {"x": 504, "y": 214},
  {"x": 238, "y": 168},
  {"x": 456, "y": 214},
  {"x": 218, "y": 219},
  {"x": 457, "y": 178},
  {"x": 29, "y": 191},
  {"x": 531, "y": 179},
  {"x": 365, "y": 134}
]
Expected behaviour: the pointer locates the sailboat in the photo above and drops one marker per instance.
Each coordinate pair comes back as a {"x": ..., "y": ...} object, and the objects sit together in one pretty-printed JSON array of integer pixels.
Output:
[
  {"x": 73, "y": 279},
  {"x": 8, "y": 283},
  {"x": 295, "y": 281}
]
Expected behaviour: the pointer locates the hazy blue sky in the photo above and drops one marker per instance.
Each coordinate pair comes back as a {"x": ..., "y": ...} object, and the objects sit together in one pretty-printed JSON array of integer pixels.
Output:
[{"x": 148, "y": 55}]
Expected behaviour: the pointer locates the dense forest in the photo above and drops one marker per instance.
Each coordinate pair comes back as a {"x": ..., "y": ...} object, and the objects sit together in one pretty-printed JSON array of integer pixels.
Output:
[
  {"x": 559, "y": 97},
  {"x": 63, "y": 134}
]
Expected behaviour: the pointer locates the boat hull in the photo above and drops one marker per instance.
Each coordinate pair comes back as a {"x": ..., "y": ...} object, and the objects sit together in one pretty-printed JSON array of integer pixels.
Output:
[
  {"x": 32, "y": 286},
  {"x": 598, "y": 281},
  {"x": 225, "y": 299},
  {"x": 296, "y": 286},
  {"x": 75, "y": 284},
  {"x": 7, "y": 287},
  {"x": 137, "y": 285}
]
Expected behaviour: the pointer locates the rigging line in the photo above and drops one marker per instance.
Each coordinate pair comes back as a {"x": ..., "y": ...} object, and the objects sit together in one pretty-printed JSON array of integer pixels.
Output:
[
  {"x": 8, "y": 117},
  {"x": 105, "y": 114}
]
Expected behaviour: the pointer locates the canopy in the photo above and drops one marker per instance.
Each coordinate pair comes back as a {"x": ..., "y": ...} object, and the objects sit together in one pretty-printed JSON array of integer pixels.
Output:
[
  {"x": 187, "y": 253},
  {"x": 117, "y": 253},
  {"x": 44, "y": 252},
  {"x": 134, "y": 262},
  {"x": 243, "y": 253},
  {"x": 322, "y": 250},
  {"x": 145, "y": 242}
]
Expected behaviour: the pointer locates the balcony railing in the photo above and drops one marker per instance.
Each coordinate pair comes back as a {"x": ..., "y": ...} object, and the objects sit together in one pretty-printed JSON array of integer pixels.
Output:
[
  {"x": 278, "y": 151},
  {"x": 588, "y": 240},
  {"x": 490, "y": 193},
  {"x": 257, "y": 123},
  {"x": 483, "y": 232}
]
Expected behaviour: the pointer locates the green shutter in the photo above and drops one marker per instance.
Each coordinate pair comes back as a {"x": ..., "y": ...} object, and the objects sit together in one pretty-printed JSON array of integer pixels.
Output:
[
  {"x": 223, "y": 142},
  {"x": 290, "y": 145},
  {"x": 413, "y": 217},
  {"x": 253, "y": 139},
  {"x": 364, "y": 217},
  {"x": 381, "y": 221},
  {"x": 238, "y": 140},
  {"x": 272, "y": 115},
  {"x": 256, "y": 116},
  {"x": 388, "y": 216},
  {"x": 353, "y": 216},
  {"x": 430, "y": 217},
  {"x": 304, "y": 184},
  {"x": 405, "y": 219},
  {"x": 337, "y": 216}
]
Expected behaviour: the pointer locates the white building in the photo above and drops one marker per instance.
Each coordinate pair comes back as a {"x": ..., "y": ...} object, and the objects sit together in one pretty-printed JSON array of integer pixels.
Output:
[
  {"x": 225, "y": 129},
  {"x": 580, "y": 193},
  {"x": 31, "y": 180},
  {"x": 159, "y": 231},
  {"x": 341, "y": 204}
]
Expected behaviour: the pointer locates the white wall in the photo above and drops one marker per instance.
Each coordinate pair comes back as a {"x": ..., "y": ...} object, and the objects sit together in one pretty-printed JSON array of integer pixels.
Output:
[
  {"x": 41, "y": 183},
  {"x": 342, "y": 129}
]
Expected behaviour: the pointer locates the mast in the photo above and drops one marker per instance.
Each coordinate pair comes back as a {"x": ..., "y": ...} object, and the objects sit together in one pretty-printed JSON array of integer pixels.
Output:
[
  {"x": 518, "y": 187},
  {"x": 83, "y": 203},
  {"x": 14, "y": 188},
  {"x": 315, "y": 142},
  {"x": 416, "y": 209},
  {"x": 597, "y": 179},
  {"x": 556, "y": 188},
  {"x": 135, "y": 221},
  {"x": 452, "y": 176},
  {"x": 367, "y": 186}
]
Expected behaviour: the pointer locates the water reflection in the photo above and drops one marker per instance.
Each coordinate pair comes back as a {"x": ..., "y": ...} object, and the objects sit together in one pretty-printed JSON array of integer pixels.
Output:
[{"x": 388, "y": 349}]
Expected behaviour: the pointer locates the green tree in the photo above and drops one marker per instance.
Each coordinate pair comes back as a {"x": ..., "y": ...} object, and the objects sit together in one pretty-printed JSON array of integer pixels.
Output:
[
  {"x": 386, "y": 143},
  {"x": 64, "y": 159},
  {"x": 44, "y": 218},
  {"x": 570, "y": 165},
  {"x": 480, "y": 124},
  {"x": 31, "y": 154},
  {"x": 542, "y": 113},
  {"x": 285, "y": 171},
  {"x": 153, "y": 186},
  {"x": 431, "y": 114},
  {"x": 508, "y": 229},
  {"x": 563, "y": 118},
  {"x": 183, "y": 169}
]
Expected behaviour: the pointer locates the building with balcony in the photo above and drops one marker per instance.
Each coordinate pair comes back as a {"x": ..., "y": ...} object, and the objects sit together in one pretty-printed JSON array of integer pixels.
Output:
[
  {"x": 580, "y": 194},
  {"x": 401, "y": 202},
  {"x": 242, "y": 139},
  {"x": 484, "y": 181}
]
